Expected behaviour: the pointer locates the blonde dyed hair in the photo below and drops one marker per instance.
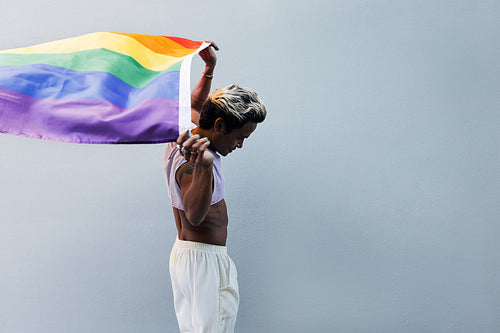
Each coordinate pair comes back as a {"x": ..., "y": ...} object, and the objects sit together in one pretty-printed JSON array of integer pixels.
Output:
[{"x": 235, "y": 105}]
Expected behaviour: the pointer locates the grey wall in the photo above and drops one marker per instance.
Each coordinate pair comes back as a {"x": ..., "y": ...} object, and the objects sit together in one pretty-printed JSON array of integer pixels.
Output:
[{"x": 367, "y": 201}]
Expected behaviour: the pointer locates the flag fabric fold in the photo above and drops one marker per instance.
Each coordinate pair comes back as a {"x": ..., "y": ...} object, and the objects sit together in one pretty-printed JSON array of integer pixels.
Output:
[{"x": 103, "y": 87}]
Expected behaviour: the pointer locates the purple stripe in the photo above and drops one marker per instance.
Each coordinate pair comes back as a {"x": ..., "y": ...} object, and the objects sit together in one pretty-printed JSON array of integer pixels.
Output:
[{"x": 153, "y": 120}]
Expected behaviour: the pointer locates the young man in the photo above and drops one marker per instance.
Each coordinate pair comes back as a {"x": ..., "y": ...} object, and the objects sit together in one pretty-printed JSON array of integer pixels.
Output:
[{"x": 204, "y": 278}]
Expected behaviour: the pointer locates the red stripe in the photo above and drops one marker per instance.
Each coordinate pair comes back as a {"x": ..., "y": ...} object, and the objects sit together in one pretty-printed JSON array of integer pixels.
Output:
[{"x": 187, "y": 43}]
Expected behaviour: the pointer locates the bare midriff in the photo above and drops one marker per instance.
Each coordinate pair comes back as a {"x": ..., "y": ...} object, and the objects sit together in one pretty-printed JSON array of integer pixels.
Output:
[{"x": 213, "y": 229}]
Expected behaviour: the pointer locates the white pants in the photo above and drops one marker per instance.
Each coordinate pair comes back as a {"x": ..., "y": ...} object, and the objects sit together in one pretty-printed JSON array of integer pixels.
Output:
[{"x": 205, "y": 287}]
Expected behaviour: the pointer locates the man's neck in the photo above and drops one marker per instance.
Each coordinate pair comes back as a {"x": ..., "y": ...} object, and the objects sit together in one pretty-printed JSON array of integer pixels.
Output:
[{"x": 203, "y": 133}]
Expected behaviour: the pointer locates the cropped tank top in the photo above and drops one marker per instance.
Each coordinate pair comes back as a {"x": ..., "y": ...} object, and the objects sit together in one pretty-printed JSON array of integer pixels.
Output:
[{"x": 172, "y": 161}]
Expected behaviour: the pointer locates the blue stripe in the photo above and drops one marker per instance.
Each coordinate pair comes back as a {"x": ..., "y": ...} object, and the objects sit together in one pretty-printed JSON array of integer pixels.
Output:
[{"x": 46, "y": 81}]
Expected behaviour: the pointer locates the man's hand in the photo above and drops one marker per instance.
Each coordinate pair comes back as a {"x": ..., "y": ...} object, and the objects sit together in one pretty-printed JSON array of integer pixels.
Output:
[
  {"x": 209, "y": 57},
  {"x": 194, "y": 149}
]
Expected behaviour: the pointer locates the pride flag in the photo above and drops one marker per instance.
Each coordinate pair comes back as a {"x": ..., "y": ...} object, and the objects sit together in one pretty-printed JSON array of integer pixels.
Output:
[{"x": 103, "y": 87}]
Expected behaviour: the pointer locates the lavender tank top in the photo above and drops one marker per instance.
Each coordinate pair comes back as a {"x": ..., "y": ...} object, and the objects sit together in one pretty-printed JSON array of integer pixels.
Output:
[{"x": 172, "y": 161}]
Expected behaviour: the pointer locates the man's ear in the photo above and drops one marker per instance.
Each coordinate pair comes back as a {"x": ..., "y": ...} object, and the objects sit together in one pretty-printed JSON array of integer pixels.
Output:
[{"x": 220, "y": 126}]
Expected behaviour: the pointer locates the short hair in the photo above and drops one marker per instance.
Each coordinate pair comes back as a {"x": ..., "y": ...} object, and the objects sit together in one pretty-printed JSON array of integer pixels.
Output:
[{"x": 235, "y": 105}]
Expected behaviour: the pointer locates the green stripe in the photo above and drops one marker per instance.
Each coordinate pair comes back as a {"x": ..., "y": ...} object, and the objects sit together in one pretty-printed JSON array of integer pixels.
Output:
[{"x": 96, "y": 60}]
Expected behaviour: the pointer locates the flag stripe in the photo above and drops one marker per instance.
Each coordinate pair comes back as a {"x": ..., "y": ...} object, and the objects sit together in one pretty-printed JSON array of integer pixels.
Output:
[
  {"x": 187, "y": 43},
  {"x": 96, "y": 121},
  {"x": 98, "y": 60},
  {"x": 174, "y": 46},
  {"x": 45, "y": 81},
  {"x": 114, "y": 42}
]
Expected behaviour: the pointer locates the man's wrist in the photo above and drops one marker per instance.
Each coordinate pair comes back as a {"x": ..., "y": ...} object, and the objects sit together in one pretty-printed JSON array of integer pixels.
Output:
[
  {"x": 208, "y": 76},
  {"x": 202, "y": 171},
  {"x": 209, "y": 71}
]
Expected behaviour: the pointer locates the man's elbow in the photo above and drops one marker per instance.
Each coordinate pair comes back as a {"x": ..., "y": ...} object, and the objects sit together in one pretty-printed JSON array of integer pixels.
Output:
[{"x": 194, "y": 218}]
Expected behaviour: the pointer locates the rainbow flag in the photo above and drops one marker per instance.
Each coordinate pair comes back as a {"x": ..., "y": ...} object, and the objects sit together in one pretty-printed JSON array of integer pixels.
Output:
[{"x": 103, "y": 87}]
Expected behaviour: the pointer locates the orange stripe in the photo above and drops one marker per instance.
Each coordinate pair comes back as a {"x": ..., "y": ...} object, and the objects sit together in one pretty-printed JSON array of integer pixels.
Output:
[{"x": 164, "y": 45}]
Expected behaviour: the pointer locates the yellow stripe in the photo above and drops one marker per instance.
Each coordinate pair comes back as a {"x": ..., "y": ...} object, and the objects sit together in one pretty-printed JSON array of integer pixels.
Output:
[{"x": 115, "y": 42}]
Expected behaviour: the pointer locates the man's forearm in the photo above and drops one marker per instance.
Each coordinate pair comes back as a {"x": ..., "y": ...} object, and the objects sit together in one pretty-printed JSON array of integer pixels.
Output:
[
  {"x": 202, "y": 89},
  {"x": 198, "y": 196}
]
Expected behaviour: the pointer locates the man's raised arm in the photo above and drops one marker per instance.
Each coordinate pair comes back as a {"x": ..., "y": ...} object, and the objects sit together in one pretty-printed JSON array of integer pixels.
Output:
[{"x": 202, "y": 88}]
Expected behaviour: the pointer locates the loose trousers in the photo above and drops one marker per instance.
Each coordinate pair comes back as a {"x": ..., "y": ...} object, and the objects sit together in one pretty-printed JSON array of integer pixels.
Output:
[{"x": 205, "y": 287}]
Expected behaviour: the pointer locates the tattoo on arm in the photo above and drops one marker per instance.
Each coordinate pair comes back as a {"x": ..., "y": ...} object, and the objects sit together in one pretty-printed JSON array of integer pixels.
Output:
[{"x": 185, "y": 169}]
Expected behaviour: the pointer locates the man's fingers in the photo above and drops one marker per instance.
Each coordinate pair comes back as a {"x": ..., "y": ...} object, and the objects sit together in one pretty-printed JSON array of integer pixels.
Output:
[
  {"x": 212, "y": 44},
  {"x": 192, "y": 147},
  {"x": 202, "y": 149},
  {"x": 196, "y": 145},
  {"x": 184, "y": 142},
  {"x": 198, "y": 148},
  {"x": 187, "y": 147},
  {"x": 188, "y": 144},
  {"x": 182, "y": 137}
]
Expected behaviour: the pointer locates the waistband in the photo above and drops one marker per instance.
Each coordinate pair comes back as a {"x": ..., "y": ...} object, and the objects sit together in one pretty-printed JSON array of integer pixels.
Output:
[{"x": 189, "y": 245}]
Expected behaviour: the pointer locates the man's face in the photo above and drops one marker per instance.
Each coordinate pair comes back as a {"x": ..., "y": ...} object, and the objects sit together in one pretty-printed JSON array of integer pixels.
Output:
[{"x": 226, "y": 143}]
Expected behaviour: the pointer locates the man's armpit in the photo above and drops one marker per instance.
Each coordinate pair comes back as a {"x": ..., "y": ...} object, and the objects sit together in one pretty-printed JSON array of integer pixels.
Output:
[{"x": 185, "y": 169}]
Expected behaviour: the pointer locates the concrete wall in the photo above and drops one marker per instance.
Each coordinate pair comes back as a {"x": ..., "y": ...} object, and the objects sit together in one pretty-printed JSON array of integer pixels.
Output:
[{"x": 366, "y": 202}]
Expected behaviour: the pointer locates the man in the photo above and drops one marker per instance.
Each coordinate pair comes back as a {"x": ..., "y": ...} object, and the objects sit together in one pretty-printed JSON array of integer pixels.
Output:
[{"x": 204, "y": 278}]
